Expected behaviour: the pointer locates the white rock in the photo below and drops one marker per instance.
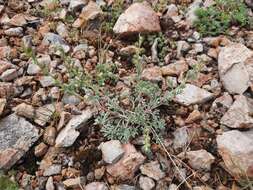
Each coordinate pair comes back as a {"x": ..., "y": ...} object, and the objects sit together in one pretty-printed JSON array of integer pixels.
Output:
[
  {"x": 200, "y": 159},
  {"x": 112, "y": 151},
  {"x": 236, "y": 149},
  {"x": 146, "y": 183},
  {"x": 74, "y": 5},
  {"x": 181, "y": 137},
  {"x": 47, "y": 81},
  {"x": 96, "y": 186},
  {"x": 52, "y": 170},
  {"x": 61, "y": 29},
  {"x": 239, "y": 114},
  {"x": 9, "y": 75},
  {"x": 69, "y": 133},
  {"x": 16, "y": 32},
  {"x": 50, "y": 184},
  {"x": 235, "y": 63},
  {"x": 138, "y": 18},
  {"x": 33, "y": 69},
  {"x": 193, "y": 95}
]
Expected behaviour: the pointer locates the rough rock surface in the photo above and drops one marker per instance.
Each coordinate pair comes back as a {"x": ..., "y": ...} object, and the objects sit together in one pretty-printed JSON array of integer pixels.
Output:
[
  {"x": 200, "y": 159},
  {"x": 152, "y": 170},
  {"x": 125, "y": 168},
  {"x": 239, "y": 114},
  {"x": 96, "y": 186},
  {"x": 16, "y": 137},
  {"x": 112, "y": 151},
  {"x": 138, "y": 18},
  {"x": 236, "y": 149},
  {"x": 69, "y": 133},
  {"x": 235, "y": 63},
  {"x": 193, "y": 95}
]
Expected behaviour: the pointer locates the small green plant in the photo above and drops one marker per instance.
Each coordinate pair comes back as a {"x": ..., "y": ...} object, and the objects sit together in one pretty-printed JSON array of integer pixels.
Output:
[
  {"x": 7, "y": 184},
  {"x": 106, "y": 72},
  {"x": 217, "y": 18},
  {"x": 160, "y": 5},
  {"x": 112, "y": 13}
]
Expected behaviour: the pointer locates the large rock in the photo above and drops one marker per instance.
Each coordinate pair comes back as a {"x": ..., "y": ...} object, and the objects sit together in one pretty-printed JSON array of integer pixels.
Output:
[
  {"x": 16, "y": 137},
  {"x": 69, "y": 133},
  {"x": 138, "y": 18},
  {"x": 193, "y": 95},
  {"x": 235, "y": 63},
  {"x": 125, "y": 168},
  {"x": 236, "y": 149},
  {"x": 239, "y": 114}
]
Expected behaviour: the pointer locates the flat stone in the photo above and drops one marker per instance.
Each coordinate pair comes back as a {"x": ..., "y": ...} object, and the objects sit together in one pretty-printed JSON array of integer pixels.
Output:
[
  {"x": 9, "y": 75},
  {"x": 146, "y": 183},
  {"x": 124, "y": 187},
  {"x": 52, "y": 170},
  {"x": 69, "y": 133},
  {"x": 70, "y": 99},
  {"x": 112, "y": 151},
  {"x": 25, "y": 110},
  {"x": 153, "y": 74},
  {"x": 152, "y": 170},
  {"x": 33, "y": 69},
  {"x": 47, "y": 81},
  {"x": 200, "y": 159},
  {"x": 74, "y": 182},
  {"x": 236, "y": 149},
  {"x": 15, "y": 32},
  {"x": 16, "y": 137},
  {"x": 43, "y": 114},
  {"x": 175, "y": 69},
  {"x": 18, "y": 20},
  {"x": 181, "y": 137},
  {"x": 235, "y": 63},
  {"x": 126, "y": 167},
  {"x": 138, "y": 18},
  {"x": 193, "y": 95},
  {"x": 96, "y": 186},
  {"x": 239, "y": 114}
]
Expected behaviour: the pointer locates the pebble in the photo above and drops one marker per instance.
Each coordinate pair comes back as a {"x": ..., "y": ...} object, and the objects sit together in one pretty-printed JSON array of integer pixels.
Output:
[
  {"x": 47, "y": 81},
  {"x": 74, "y": 182},
  {"x": 40, "y": 150},
  {"x": 181, "y": 137},
  {"x": 152, "y": 170},
  {"x": 9, "y": 75},
  {"x": 3, "y": 102},
  {"x": 96, "y": 186},
  {"x": 33, "y": 69},
  {"x": 15, "y": 32},
  {"x": 49, "y": 135},
  {"x": 146, "y": 183},
  {"x": 112, "y": 151},
  {"x": 50, "y": 184},
  {"x": 52, "y": 170}
]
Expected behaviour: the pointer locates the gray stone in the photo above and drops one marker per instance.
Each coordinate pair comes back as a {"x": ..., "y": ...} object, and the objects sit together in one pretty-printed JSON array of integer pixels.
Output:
[
  {"x": 239, "y": 114},
  {"x": 235, "y": 65},
  {"x": 112, "y": 151},
  {"x": 200, "y": 159},
  {"x": 124, "y": 187},
  {"x": 190, "y": 15},
  {"x": 152, "y": 170},
  {"x": 236, "y": 149},
  {"x": 15, "y": 32},
  {"x": 193, "y": 95},
  {"x": 52, "y": 170},
  {"x": 146, "y": 183},
  {"x": 9, "y": 75},
  {"x": 33, "y": 69},
  {"x": 96, "y": 186},
  {"x": 62, "y": 30},
  {"x": 138, "y": 18},
  {"x": 16, "y": 137},
  {"x": 75, "y": 5},
  {"x": 70, "y": 99},
  {"x": 181, "y": 137},
  {"x": 69, "y": 133},
  {"x": 47, "y": 81}
]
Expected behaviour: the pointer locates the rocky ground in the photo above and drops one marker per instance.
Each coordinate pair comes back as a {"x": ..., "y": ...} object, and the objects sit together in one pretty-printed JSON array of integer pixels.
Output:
[{"x": 62, "y": 61}]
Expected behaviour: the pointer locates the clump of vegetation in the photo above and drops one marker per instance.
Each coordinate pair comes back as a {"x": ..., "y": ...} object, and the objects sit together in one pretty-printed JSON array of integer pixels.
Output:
[
  {"x": 7, "y": 184},
  {"x": 217, "y": 18},
  {"x": 112, "y": 13},
  {"x": 106, "y": 72}
]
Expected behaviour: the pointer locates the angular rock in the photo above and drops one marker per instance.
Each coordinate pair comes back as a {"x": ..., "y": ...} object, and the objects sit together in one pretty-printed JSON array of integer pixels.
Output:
[
  {"x": 76, "y": 5},
  {"x": 193, "y": 95},
  {"x": 69, "y": 133},
  {"x": 123, "y": 187},
  {"x": 225, "y": 101},
  {"x": 16, "y": 137},
  {"x": 175, "y": 69},
  {"x": 96, "y": 186},
  {"x": 15, "y": 32},
  {"x": 236, "y": 149},
  {"x": 18, "y": 20},
  {"x": 194, "y": 116},
  {"x": 49, "y": 135},
  {"x": 138, "y": 18},
  {"x": 181, "y": 137},
  {"x": 50, "y": 184},
  {"x": 89, "y": 12},
  {"x": 235, "y": 63},
  {"x": 47, "y": 81},
  {"x": 190, "y": 15},
  {"x": 40, "y": 149},
  {"x": 153, "y": 74},
  {"x": 25, "y": 110},
  {"x": 112, "y": 151},
  {"x": 54, "y": 169},
  {"x": 152, "y": 170},
  {"x": 146, "y": 183},
  {"x": 33, "y": 69},
  {"x": 200, "y": 159},
  {"x": 74, "y": 182},
  {"x": 125, "y": 168},
  {"x": 9, "y": 75},
  {"x": 239, "y": 114},
  {"x": 62, "y": 30},
  {"x": 43, "y": 114}
]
